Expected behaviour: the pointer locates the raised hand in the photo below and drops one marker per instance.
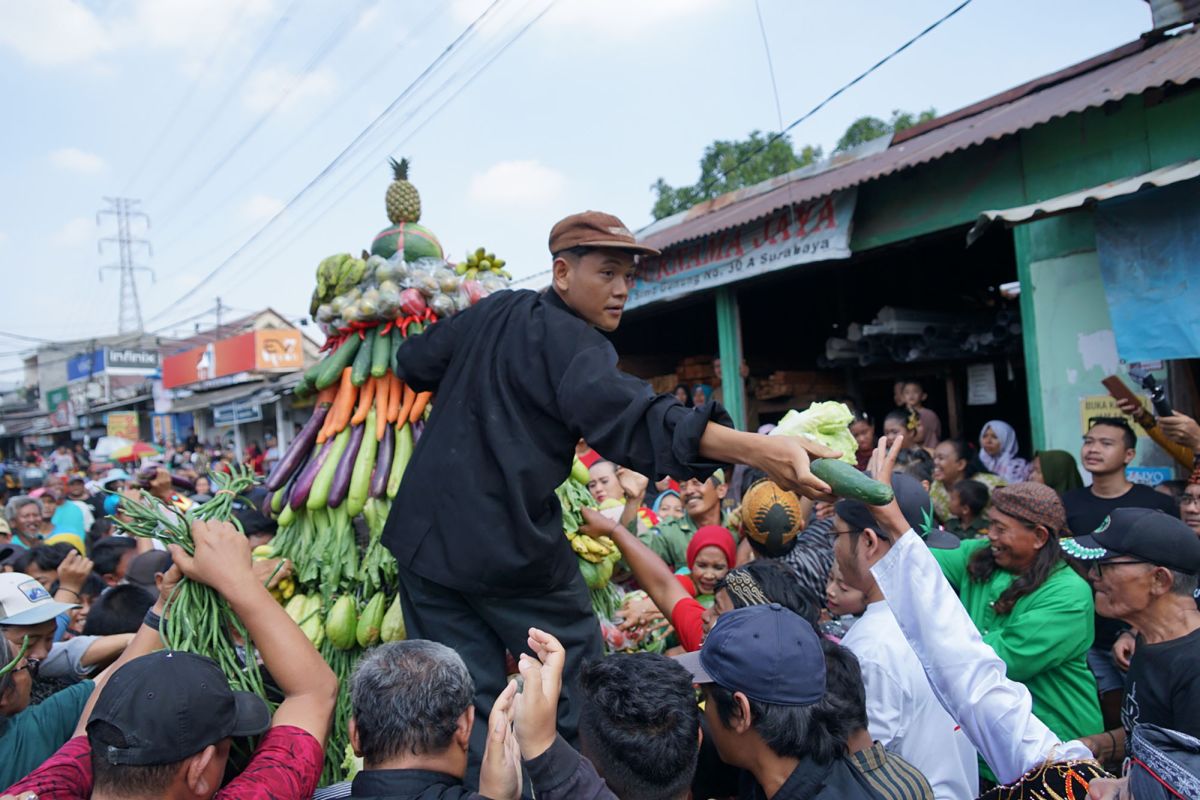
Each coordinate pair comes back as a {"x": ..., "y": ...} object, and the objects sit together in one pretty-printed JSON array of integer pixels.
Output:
[
  {"x": 536, "y": 714},
  {"x": 500, "y": 772}
]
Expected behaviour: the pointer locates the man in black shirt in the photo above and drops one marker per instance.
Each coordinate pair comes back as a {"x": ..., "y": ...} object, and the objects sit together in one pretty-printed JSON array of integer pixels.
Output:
[
  {"x": 1108, "y": 447},
  {"x": 1144, "y": 565},
  {"x": 520, "y": 379}
]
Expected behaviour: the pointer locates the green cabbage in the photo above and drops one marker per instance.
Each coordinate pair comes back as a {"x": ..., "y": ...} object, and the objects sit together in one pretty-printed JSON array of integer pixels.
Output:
[{"x": 827, "y": 423}]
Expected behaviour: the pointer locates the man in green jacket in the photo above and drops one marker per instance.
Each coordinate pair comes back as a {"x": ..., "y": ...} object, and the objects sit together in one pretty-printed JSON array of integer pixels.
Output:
[
  {"x": 1030, "y": 606},
  {"x": 702, "y": 506}
]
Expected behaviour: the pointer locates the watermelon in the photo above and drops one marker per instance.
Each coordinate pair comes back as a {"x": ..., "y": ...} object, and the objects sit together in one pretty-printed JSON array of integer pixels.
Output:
[{"x": 415, "y": 240}]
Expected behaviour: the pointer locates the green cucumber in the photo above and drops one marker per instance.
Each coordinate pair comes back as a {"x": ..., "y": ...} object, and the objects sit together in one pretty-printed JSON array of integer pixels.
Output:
[
  {"x": 846, "y": 481},
  {"x": 381, "y": 349},
  {"x": 362, "y": 360},
  {"x": 332, "y": 366}
]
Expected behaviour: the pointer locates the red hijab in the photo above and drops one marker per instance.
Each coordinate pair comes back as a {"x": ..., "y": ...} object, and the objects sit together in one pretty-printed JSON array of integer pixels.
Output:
[{"x": 712, "y": 536}]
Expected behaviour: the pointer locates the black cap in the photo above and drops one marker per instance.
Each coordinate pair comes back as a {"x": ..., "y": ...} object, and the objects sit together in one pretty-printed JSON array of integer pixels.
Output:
[
  {"x": 170, "y": 705},
  {"x": 767, "y": 653},
  {"x": 1147, "y": 534},
  {"x": 915, "y": 505}
]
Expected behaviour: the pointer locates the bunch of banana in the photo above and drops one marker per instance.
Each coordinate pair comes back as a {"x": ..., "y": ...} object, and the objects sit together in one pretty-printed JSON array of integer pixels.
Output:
[
  {"x": 479, "y": 262},
  {"x": 336, "y": 275},
  {"x": 284, "y": 588},
  {"x": 589, "y": 549}
]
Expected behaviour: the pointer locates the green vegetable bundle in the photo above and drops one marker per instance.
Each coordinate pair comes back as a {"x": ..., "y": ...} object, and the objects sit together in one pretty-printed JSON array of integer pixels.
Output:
[
  {"x": 199, "y": 620},
  {"x": 827, "y": 423}
]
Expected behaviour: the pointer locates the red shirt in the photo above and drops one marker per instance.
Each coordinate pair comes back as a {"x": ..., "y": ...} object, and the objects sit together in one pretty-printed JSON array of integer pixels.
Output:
[
  {"x": 688, "y": 619},
  {"x": 286, "y": 765}
]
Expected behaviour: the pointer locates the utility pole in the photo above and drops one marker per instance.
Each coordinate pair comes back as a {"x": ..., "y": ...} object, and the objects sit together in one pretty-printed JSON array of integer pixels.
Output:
[
  {"x": 218, "y": 335},
  {"x": 129, "y": 317}
]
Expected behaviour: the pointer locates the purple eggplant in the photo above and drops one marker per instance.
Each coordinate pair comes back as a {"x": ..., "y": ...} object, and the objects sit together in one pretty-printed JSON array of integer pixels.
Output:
[
  {"x": 283, "y": 496},
  {"x": 265, "y": 506},
  {"x": 182, "y": 483},
  {"x": 345, "y": 468},
  {"x": 383, "y": 463},
  {"x": 299, "y": 447},
  {"x": 304, "y": 482}
]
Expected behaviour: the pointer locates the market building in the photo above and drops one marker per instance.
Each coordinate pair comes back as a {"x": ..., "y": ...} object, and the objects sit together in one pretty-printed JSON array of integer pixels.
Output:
[
  {"x": 232, "y": 385},
  {"x": 1010, "y": 255}
]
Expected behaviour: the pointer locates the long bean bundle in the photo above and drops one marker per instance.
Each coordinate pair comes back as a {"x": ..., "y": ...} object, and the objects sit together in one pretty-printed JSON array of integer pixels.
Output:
[{"x": 199, "y": 620}]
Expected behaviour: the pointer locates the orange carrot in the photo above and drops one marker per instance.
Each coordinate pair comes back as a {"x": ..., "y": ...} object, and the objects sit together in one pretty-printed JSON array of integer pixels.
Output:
[
  {"x": 406, "y": 406},
  {"x": 419, "y": 406},
  {"x": 343, "y": 406},
  {"x": 327, "y": 395},
  {"x": 395, "y": 396},
  {"x": 366, "y": 395},
  {"x": 381, "y": 404}
]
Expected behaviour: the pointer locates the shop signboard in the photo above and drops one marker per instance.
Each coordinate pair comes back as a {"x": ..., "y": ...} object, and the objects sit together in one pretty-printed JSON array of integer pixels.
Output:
[
  {"x": 130, "y": 361},
  {"x": 1104, "y": 405},
  {"x": 254, "y": 351},
  {"x": 1149, "y": 476},
  {"x": 58, "y": 403},
  {"x": 236, "y": 413},
  {"x": 981, "y": 385},
  {"x": 813, "y": 230},
  {"x": 123, "y": 424},
  {"x": 160, "y": 427},
  {"x": 85, "y": 365}
]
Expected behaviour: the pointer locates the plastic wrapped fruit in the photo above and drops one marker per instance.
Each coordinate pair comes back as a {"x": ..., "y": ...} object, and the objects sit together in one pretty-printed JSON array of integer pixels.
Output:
[
  {"x": 442, "y": 305},
  {"x": 325, "y": 312},
  {"x": 472, "y": 291},
  {"x": 425, "y": 283},
  {"x": 492, "y": 282},
  {"x": 412, "y": 302},
  {"x": 447, "y": 280}
]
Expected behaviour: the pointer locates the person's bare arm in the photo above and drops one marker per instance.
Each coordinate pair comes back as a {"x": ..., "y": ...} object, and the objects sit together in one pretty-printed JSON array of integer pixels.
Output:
[
  {"x": 785, "y": 459},
  {"x": 651, "y": 572},
  {"x": 222, "y": 560},
  {"x": 105, "y": 649},
  {"x": 72, "y": 575},
  {"x": 1181, "y": 428}
]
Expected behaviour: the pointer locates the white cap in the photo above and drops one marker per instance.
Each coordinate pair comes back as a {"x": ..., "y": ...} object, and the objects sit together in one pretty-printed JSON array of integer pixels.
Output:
[{"x": 24, "y": 601}]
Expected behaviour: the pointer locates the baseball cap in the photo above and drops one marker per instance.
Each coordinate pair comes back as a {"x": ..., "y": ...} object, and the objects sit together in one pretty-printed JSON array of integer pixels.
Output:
[
  {"x": 1149, "y": 534},
  {"x": 170, "y": 705},
  {"x": 114, "y": 475},
  {"x": 594, "y": 229},
  {"x": 145, "y": 566},
  {"x": 767, "y": 653},
  {"x": 24, "y": 601},
  {"x": 914, "y": 504}
]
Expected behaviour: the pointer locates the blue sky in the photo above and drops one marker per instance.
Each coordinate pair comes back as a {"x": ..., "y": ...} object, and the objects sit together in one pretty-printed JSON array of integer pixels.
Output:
[{"x": 150, "y": 98}]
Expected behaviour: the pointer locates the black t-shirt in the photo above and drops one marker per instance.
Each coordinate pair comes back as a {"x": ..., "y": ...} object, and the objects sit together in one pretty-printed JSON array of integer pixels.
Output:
[
  {"x": 1085, "y": 512},
  {"x": 520, "y": 378},
  {"x": 1162, "y": 686}
]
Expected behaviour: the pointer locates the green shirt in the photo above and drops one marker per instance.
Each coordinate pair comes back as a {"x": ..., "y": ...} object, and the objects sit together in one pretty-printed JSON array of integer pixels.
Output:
[
  {"x": 670, "y": 540},
  {"x": 33, "y": 735},
  {"x": 1043, "y": 641}
]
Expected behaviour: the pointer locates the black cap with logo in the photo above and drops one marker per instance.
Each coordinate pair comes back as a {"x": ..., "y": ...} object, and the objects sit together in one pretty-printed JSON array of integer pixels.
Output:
[
  {"x": 170, "y": 705},
  {"x": 1147, "y": 534}
]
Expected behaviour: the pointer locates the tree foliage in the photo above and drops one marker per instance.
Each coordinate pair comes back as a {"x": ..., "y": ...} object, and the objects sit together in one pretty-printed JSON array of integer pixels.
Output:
[
  {"x": 730, "y": 165},
  {"x": 864, "y": 129},
  {"x": 720, "y": 173}
]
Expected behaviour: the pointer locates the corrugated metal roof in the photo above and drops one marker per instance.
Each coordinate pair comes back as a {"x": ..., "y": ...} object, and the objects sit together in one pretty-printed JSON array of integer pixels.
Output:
[
  {"x": 1164, "y": 176},
  {"x": 1128, "y": 70}
]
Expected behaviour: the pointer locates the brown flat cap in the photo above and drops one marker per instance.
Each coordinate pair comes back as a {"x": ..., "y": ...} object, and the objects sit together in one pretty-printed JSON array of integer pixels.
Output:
[{"x": 594, "y": 229}]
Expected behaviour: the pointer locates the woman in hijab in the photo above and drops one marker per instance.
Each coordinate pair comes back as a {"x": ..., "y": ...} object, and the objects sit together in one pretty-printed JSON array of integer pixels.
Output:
[
  {"x": 710, "y": 555},
  {"x": 1057, "y": 469},
  {"x": 998, "y": 451},
  {"x": 668, "y": 505},
  {"x": 701, "y": 394}
]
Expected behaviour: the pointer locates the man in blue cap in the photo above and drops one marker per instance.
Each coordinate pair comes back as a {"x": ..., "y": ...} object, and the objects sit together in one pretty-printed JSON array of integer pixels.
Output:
[
  {"x": 1143, "y": 565},
  {"x": 762, "y": 670}
]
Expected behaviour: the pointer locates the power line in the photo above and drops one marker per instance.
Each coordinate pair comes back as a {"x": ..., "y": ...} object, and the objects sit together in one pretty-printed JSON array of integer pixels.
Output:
[
  {"x": 221, "y": 46},
  {"x": 259, "y": 53},
  {"x": 777, "y": 136},
  {"x": 323, "y": 50},
  {"x": 487, "y": 62},
  {"x": 762, "y": 27},
  {"x": 343, "y": 97},
  {"x": 337, "y": 159}
]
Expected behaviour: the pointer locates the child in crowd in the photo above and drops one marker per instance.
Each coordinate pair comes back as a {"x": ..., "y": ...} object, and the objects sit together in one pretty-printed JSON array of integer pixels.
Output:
[
  {"x": 863, "y": 431},
  {"x": 914, "y": 397},
  {"x": 844, "y": 605},
  {"x": 968, "y": 499}
]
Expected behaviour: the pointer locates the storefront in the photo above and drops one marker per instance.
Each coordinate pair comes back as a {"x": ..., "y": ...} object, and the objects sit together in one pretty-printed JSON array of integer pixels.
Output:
[{"x": 1015, "y": 325}]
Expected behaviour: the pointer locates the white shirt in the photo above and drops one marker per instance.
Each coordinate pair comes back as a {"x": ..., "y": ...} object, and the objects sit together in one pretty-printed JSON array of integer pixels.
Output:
[
  {"x": 965, "y": 674},
  {"x": 902, "y": 712}
]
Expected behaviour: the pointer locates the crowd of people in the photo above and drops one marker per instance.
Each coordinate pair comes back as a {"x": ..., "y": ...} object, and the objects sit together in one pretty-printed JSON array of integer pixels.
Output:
[{"x": 997, "y": 629}]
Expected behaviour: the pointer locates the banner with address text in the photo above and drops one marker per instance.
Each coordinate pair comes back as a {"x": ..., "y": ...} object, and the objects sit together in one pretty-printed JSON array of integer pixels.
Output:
[{"x": 815, "y": 230}]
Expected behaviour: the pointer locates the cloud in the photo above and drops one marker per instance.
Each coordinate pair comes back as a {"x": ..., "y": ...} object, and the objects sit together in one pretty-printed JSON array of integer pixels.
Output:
[
  {"x": 621, "y": 20},
  {"x": 274, "y": 85},
  {"x": 75, "y": 232},
  {"x": 517, "y": 184},
  {"x": 260, "y": 207},
  {"x": 76, "y": 160},
  {"x": 369, "y": 17},
  {"x": 53, "y": 33}
]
